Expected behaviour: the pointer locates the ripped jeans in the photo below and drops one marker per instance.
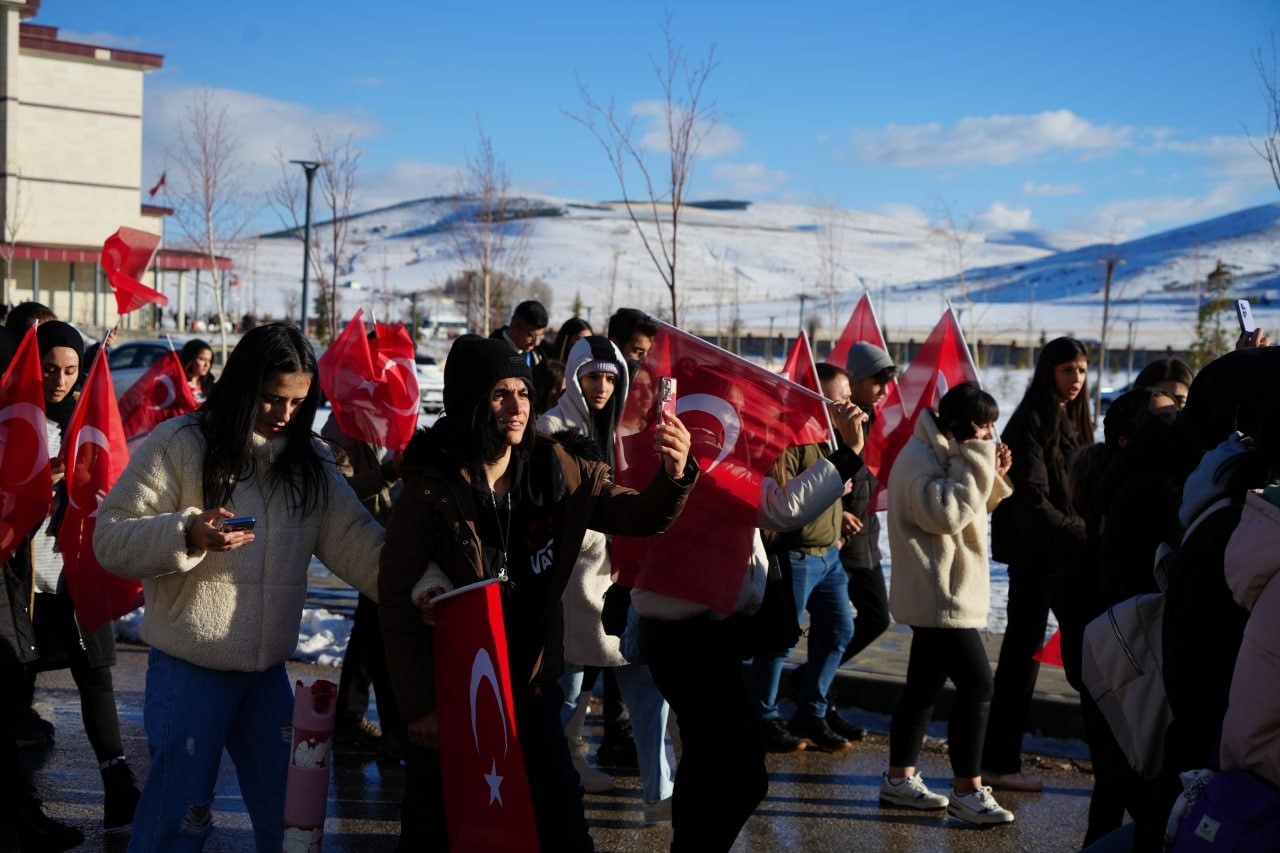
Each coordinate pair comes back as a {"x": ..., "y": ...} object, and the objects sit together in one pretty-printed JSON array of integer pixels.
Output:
[{"x": 191, "y": 713}]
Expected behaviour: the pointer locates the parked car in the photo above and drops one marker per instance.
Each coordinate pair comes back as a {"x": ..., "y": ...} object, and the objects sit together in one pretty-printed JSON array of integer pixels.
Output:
[
  {"x": 430, "y": 382},
  {"x": 1110, "y": 395}
]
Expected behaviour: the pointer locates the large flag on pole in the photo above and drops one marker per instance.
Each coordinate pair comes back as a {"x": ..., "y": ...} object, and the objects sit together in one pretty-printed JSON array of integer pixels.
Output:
[
  {"x": 863, "y": 326},
  {"x": 941, "y": 363},
  {"x": 159, "y": 394},
  {"x": 741, "y": 417},
  {"x": 26, "y": 482},
  {"x": 372, "y": 384},
  {"x": 94, "y": 453},
  {"x": 486, "y": 790},
  {"x": 126, "y": 255}
]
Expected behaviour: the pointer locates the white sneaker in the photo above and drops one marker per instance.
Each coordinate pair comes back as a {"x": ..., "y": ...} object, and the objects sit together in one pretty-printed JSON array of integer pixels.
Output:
[
  {"x": 910, "y": 792},
  {"x": 978, "y": 807},
  {"x": 593, "y": 781}
]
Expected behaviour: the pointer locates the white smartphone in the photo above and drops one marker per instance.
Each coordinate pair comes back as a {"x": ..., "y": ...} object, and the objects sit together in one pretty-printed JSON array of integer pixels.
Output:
[{"x": 1245, "y": 314}]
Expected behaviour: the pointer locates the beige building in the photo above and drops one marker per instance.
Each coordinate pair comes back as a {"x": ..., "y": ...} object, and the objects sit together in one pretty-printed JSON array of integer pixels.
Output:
[{"x": 71, "y": 142}]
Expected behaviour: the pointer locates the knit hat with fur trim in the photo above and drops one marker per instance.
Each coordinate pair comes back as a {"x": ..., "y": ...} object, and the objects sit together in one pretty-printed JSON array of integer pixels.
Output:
[{"x": 474, "y": 366}]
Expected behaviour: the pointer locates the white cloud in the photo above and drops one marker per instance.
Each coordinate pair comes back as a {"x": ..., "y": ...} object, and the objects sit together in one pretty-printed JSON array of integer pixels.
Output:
[
  {"x": 405, "y": 180},
  {"x": 906, "y": 213},
  {"x": 102, "y": 39},
  {"x": 1033, "y": 189},
  {"x": 986, "y": 141},
  {"x": 1000, "y": 217},
  {"x": 1128, "y": 218},
  {"x": 745, "y": 180},
  {"x": 717, "y": 138},
  {"x": 1227, "y": 156}
]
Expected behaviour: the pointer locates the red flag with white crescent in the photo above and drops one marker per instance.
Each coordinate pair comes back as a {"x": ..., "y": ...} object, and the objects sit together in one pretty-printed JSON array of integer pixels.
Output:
[
  {"x": 372, "y": 384},
  {"x": 941, "y": 363},
  {"x": 486, "y": 790},
  {"x": 740, "y": 418},
  {"x": 863, "y": 327},
  {"x": 126, "y": 255},
  {"x": 159, "y": 394},
  {"x": 95, "y": 454},
  {"x": 26, "y": 482}
]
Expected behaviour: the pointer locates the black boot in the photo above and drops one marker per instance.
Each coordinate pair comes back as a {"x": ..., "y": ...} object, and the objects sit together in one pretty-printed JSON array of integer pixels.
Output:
[
  {"x": 36, "y": 831},
  {"x": 121, "y": 795}
]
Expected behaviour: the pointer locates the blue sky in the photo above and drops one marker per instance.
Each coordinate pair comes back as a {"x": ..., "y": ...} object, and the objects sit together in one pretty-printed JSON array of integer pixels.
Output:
[{"x": 1117, "y": 118}]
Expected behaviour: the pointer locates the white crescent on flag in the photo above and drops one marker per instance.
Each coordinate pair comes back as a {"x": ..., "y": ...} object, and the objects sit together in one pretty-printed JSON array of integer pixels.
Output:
[
  {"x": 719, "y": 409},
  {"x": 167, "y": 382},
  {"x": 88, "y": 435},
  {"x": 482, "y": 670},
  {"x": 32, "y": 415}
]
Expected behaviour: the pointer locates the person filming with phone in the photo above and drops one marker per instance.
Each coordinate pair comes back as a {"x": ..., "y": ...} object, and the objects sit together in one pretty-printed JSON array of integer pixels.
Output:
[{"x": 219, "y": 513}]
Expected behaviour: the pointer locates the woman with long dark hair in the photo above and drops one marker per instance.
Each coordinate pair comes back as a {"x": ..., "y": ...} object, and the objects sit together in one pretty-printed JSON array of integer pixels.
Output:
[
  {"x": 484, "y": 498},
  {"x": 223, "y": 605},
  {"x": 1039, "y": 535},
  {"x": 197, "y": 360}
]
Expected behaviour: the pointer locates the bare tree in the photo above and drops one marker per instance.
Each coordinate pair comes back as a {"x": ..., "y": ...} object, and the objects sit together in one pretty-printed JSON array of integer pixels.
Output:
[
  {"x": 489, "y": 237},
  {"x": 330, "y": 256},
  {"x": 208, "y": 198},
  {"x": 688, "y": 121},
  {"x": 14, "y": 216},
  {"x": 1268, "y": 144}
]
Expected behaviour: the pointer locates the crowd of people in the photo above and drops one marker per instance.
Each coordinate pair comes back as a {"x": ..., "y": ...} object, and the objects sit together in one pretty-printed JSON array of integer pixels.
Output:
[{"x": 521, "y": 464}]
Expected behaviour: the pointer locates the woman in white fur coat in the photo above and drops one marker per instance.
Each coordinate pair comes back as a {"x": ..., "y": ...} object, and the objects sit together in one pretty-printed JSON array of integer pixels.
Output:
[
  {"x": 223, "y": 606},
  {"x": 946, "y": 480}
]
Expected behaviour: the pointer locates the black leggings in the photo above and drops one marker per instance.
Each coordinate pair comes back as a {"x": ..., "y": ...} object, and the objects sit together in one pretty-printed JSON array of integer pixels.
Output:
[{"x": 936, "y": 655}]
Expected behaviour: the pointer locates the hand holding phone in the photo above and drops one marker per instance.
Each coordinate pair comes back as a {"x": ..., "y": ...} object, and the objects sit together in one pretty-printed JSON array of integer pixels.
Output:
[
  {"x": 238, "y": 524},
  {"x": 666, "y": 397}
]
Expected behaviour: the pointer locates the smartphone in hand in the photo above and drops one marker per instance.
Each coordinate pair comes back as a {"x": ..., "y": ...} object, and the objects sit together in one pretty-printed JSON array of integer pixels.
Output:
[
  {"x": 1244, "y": 313},
  {"x": 238, "y": 524},
  {"x": 666, "y": 400}
]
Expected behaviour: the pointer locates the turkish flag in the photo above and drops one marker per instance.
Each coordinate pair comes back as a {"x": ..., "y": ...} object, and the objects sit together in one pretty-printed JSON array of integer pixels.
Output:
[
  {"x": 740, "y": 417},
  {"x": 125, "y": 256},
  {"x": 800, "y": 369},
  {"x": 941, "y": 363},
  {"x": 151, "y": 193},
  {"x": 159, "y": 394},
  {"x": 862, "y": 327},
  {"x": 486, "y": 789},
  {"x": 1052, "y": 651},
  {"x": 94, "y": 453},
  {"x": 26, "y": 482},
  {"x": 372, "y": 384}
]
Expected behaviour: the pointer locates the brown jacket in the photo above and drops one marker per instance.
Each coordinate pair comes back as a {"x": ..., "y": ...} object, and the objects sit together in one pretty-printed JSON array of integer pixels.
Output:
[{"x": 434, "y": 521}]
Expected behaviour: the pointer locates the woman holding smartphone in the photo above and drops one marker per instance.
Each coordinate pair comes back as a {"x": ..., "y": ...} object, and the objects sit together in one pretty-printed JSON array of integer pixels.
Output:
[
  {"x": 483, "y": 497},
  {"x": 223, "y": 605}
]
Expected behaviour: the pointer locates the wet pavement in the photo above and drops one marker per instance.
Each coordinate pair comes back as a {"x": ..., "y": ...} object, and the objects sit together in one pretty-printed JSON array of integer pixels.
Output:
[{"x": 816, "y": 802}]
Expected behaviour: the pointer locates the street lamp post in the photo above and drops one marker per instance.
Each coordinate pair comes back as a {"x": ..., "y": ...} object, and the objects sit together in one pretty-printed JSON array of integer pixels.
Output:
[{"x": 309, "y": 167}]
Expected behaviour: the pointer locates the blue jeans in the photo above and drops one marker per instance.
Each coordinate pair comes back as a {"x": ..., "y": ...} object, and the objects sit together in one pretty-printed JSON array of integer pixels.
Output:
[
  {"x": 648, "y": 722},
  {"x": 821, "y": 587},
  {"x": 190, "y": 714}
]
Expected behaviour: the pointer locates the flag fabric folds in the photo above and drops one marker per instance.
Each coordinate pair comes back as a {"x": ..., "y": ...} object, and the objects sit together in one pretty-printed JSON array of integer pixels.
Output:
[
  {"x": 862, "y": 327},
  {"x": 941, "y": 363},
  {"x": 126, "y": 255},
  {"x": 486, "y": 789},
  {"x": 372, "y": 384},
  {"x": 26, "y": 481},
  {"x": 94, "y": 455},
  {"x": 1051, "y": 654},
  {"x": 800, "y": 369},
  {"x": 159, "y": 394},
  {"x": 740, "y": 418}
]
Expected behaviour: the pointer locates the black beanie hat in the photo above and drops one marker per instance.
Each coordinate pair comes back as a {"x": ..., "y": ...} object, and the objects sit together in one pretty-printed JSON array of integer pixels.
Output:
[{"x": 474, "y": 366}]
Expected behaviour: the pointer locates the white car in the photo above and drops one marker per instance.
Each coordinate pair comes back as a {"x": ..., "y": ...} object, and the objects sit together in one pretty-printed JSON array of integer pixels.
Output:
[{"x": 430, "y": 382}]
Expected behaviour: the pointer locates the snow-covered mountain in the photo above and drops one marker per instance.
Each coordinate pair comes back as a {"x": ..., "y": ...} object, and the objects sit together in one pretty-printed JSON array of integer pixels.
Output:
[{"x": 756, "y": 260}]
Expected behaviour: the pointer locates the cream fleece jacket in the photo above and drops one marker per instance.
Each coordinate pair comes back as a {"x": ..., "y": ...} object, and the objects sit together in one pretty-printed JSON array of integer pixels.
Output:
[
  {"x": 940, "y": 492},
  {"x": 237, "y": 610}
]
